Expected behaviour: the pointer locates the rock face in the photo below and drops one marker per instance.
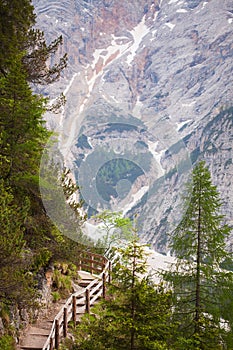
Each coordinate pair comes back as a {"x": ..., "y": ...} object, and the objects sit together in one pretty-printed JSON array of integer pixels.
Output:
[{"x": 149, "y": 82}]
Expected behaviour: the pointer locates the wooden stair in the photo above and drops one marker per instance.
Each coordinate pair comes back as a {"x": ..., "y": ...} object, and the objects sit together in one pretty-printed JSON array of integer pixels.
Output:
[
  {"x": 47, "y": 333},
  {"x": 37, "y": 334}
]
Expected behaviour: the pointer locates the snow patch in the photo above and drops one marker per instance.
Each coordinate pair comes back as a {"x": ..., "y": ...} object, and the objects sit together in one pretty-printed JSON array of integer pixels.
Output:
[
  {"x": 138, "y": 34},
  {"x": 181, "y": 124},
  {"x": 188, "y": 104},
  {"x": 154, "y": 32},
  {"x": 69, "y": 85},
  {"x": 170, "y": 25},
  {"x": 137, "y": 108},
  {"x": 89, "y": 141},
  {"x": 155, "y": 16},
  {"x": 136, "y": 197},
  {"x": 230, "y": 20},
  {"x": 65, "y": 93},
  {"x": 157, "y": 156},
  {"x": 158, "y": 262},
  {"x": 139, "y": 103},
  {"x": 204, "y": 4},
  {"x": 172, "y": 2},
  {"x": 181, "y": 11},
  {"x": 114, "y": 99}
]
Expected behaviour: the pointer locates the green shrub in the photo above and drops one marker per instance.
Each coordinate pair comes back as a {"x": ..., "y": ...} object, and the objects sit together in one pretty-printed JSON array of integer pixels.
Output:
[
  {"x": 7, "y": 343},
  {"x": 56, "y": 296}
]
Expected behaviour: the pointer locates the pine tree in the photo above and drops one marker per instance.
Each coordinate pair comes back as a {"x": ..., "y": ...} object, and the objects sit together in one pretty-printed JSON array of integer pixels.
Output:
[
  {"x": 135, "y": 315},
  {"x": 201, "y": 287},
  {"x": 26, "y": 231},
  {"x": 16, "y": 18},
  {"x": 21, "y": 124},
  {"x": 15, "y": 283},
  {"x": 17, "y": 34}
]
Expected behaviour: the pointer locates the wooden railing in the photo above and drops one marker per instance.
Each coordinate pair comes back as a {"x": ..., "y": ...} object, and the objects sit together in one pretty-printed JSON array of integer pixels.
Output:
[
  {"x": 91, "y": 262},
  {"x": 80, "y": 302}
]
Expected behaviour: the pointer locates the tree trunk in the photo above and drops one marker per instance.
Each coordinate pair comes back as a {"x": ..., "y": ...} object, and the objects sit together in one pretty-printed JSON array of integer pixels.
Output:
[
  {"x": 133, "y": 306},
  {"x": 198, "y": 275}
]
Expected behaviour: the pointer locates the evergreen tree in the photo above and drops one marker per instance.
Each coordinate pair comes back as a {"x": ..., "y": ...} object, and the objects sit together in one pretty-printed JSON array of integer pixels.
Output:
[
  {"x": 24, "y": 58},
  {"x": 201, "y": 287},
  {"x": 16, "y": 18},
  {"x": 27, "y": 239},
  {"x": 135, "y": 314},
  {"x": 17, "y": 34},
  {"x": 21, "y": 125},
  {"x": 15, "y": 283}
]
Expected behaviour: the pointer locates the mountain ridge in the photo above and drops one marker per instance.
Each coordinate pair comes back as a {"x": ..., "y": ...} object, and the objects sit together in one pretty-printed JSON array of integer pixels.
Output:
[{"x": 165, "y": 66}]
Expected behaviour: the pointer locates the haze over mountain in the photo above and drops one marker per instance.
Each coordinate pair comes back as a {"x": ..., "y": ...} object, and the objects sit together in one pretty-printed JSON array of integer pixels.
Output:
[{"x": 149, "y": 92}]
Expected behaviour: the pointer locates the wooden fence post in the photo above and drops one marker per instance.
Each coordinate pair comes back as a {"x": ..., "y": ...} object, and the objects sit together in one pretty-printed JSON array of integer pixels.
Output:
[
  {"x": 80, "y": 265},
  {"x": 51, "y": 344},
  {"x": 109, "y": 272},
  {"x": 87, "y": 301},
  {"x": 74, "y": 310},
  {"x": 57, "y": 340},
  {"x": 65, "y": 323},
  {"x": 102, "y": 263},
  {"x": 92, "y": 263},
  {"x": 104, "y": 285}
]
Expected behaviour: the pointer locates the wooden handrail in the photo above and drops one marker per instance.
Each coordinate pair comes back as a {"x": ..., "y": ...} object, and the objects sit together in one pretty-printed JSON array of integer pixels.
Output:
[
  {"x": 91, "y": 262},
  {"x": 94, "y": 290}
]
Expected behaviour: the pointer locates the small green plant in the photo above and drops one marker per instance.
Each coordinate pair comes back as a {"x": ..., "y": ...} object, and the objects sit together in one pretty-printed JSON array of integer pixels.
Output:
[
  {"x": 62, "y": 278},
  {"x": 7, "y": 342},
  {"x": 56, "y": 296},
  {"x": 4, "y": 314},
  {"x": 41, "y": 259},
  {"x": 62, "y": 282},
  {"x": 67, "y": 344}
]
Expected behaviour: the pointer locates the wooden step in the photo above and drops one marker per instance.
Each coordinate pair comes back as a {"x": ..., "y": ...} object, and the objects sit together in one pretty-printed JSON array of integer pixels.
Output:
[
  {"x": 39, "y": 331},
  {"x": 37, "y": 334},
  {"x": 30, "y": 348},
  {"x": 86, "y": 282}
]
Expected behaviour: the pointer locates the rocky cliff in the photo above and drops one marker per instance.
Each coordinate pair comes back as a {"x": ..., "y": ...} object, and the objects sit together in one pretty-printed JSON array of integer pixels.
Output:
[{"x": 149, "y": 92}]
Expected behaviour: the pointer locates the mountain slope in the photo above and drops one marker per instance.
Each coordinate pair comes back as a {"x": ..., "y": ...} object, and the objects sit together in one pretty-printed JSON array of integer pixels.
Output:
[{"x": 150, "y": 83}]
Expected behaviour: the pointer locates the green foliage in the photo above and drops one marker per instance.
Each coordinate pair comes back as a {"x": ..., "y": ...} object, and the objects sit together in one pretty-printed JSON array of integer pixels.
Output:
[
  {"x": 135, "y": 314},
  {"x": 63, "y": 275},
  {"x": 5, "y": 314},
  {"x": 114, "y": 171},
  {"x": 21, "y": 125},
  {"x": 17, "y": 35},
  {"x": 61, "y": 281},
  {"x": 41, "y": 259},
  {"x": 28, "y": 239},
  {"x": 7, "y": 342},
  {"x": 56, "y": 296},
  {"x": 15, "y": 283},
  {"x": 16, "y": 18},
  {"x": 38, "y": 53},
  {"x": 114, "y": 228},
  {"x": 202, "y": 290}
]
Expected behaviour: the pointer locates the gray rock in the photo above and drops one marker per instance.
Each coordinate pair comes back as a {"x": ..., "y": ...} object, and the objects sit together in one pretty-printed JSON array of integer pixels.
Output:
[{"x": 165, "y": 66}]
